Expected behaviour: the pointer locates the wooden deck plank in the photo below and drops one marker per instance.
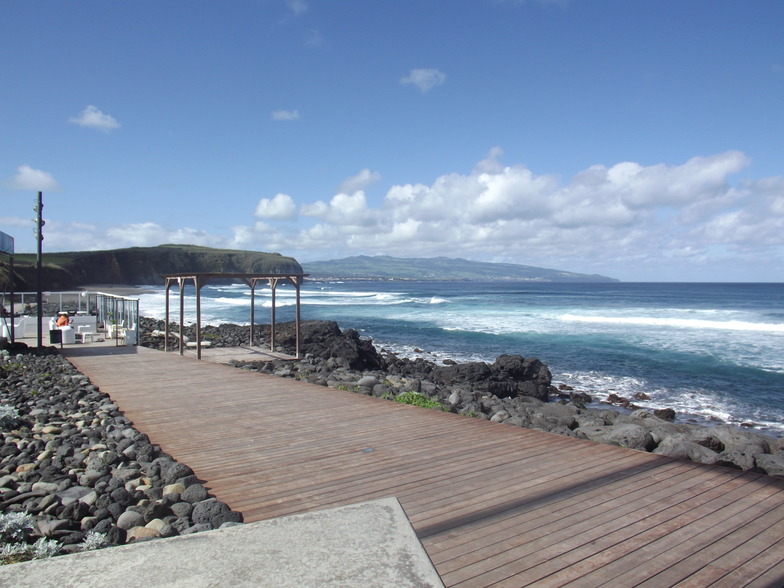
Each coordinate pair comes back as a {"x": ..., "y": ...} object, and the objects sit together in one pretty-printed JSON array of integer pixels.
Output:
[
  {"x": 566, "y": 499},
  {"x": 598, "y": 502},
  {"x": 492, "y": 504},
  {"x": 666, "y": 543},
  {"x": 766, "y": 550},
  {"x": 733, "y": 550},
  {"x": 544, "y": 549},
  {"x": 770, "y": 578},
  {"x": 581, "y": 559},
  {"x": 717, "y": 543},
  {"x": 437, "y": 503}
]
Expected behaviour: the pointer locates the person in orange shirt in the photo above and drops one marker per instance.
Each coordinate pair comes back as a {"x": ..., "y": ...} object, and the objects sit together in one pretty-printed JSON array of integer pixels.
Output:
[{"x": 62, "y": 320}]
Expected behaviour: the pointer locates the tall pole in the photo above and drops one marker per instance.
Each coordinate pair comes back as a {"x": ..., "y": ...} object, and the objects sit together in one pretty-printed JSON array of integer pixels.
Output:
[
  {"x": 11, "y": 275},
  {"x": 39, "y": 208}
]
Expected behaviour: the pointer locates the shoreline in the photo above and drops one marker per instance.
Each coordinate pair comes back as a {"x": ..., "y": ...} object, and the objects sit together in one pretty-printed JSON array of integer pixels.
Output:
[
  {"x": 609, "y": 399},
  {"x": 512, "y": 390}
]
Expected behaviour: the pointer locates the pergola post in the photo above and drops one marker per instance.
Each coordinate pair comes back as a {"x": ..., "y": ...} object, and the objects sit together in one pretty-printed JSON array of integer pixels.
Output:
[
  {"x": 252, "y": 284},
  {"x": 273, "y": 285},
  {"x": 181, "y": 282},
  {"x": 197, "y": 283},
  {"x": 169, "y": 284},
  {"x": 296, "y": 320}
]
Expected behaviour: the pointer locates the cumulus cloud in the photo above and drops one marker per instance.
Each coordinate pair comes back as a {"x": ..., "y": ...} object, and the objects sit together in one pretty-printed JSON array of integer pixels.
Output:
[
  {"x": 285, "y": 115},
  {"x": 424, "y": 79},
  {"x": 342, "y": 210},
  {"x": 604, "y": 218},
  {"x": 281, "y": 207},
  {"x": 151, "y": 233},
  {"x": 628, "y": 219},
  {"x": 363, "y": 180},
  {"x": 81, "y": 236},
  {"x": 92, "y": 118},
  {"x": 28, "y": 178}
]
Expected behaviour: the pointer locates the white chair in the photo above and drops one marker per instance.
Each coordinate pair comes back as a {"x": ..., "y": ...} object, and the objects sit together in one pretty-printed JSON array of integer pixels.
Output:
[
  {"x": 83, "y": 331},
  {"x": 129, "y": 335}
]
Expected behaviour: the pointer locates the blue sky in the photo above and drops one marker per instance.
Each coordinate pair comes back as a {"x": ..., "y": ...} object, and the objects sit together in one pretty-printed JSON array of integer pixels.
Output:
[{"x": 637, "y": 139}]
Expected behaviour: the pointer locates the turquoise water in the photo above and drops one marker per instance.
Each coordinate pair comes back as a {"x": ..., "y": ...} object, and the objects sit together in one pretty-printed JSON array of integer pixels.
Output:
[{"x": 712, "y": 351}]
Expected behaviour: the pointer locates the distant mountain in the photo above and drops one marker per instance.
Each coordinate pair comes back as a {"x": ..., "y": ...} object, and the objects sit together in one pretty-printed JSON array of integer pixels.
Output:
[
  {"x": 140, "y": 265},
  {"x": 437, "y": 268}
]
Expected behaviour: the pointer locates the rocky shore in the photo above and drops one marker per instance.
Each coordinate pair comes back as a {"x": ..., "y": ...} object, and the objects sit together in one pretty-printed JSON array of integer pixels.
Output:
[
  {"x": 513, "y": 390},
  {"x": 74, "y": 471}
]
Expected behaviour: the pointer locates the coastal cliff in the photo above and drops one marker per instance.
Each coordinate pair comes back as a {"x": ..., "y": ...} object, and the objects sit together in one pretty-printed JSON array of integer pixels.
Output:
[{"x": 141, "y": 265}]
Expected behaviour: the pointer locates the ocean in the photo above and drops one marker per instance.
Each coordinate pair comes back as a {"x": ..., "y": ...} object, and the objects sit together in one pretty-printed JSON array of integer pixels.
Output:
[{"x": 712, "y": 352}]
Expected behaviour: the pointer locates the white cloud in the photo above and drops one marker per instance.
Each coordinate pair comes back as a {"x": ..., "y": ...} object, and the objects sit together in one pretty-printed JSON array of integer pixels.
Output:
[
  {"x": 603, "y": 219},
  {"x": 28, "y": 178},
  {"x": 634, "y": 221},
  {"x": 285, "y": 115},
  {"x": 490, "y": 164},
  {"x": 150, "y": 233},
  {"x": 281, "y": 207},
  {"x": 342, "y": 210},
  {"x": 298, "y": 7},
  {"x": 80, "y": 236},
  {"x": 658, "y": 185},
  {"x": 242, "y": 237},
  {"x": 363, "y": 180},
  {"x": 92, "y": 118},
  {"x": 424, "y": 79}
]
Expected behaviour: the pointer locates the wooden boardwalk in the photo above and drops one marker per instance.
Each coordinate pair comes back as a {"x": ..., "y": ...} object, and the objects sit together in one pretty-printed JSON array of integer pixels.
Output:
[{"x": 492, "y": 504}]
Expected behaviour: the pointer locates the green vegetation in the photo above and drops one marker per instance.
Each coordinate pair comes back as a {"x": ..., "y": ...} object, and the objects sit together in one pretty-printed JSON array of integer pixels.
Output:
[
  {"x": 418, "y": 399},
  {"x": 383, "y": 267}
]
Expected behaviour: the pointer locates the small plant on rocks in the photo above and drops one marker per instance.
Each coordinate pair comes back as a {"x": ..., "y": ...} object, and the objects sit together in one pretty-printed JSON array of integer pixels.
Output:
[
  {"x": 16, "y": 530},
  {"x": 93, "y": 540},
  {"x": 16, "y": 526},
  {"x": 418, "y": 399},
  {"x": 17, "y": 552}
]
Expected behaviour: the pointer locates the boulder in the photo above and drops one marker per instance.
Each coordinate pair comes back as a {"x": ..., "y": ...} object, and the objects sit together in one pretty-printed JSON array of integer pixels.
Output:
[
  {"x": 741, "y": 457},
  {"x": 367, "y": 381},
  {"x": 137, "y": 534},
  {"x": 518, "y": 368},
  {"x": 324, "y": 339},
  {"x": 682, "y": 449},
  {"x": 130, "y": 519},
  {"x": 194, "y": 493},
  {"x": 771, "y": 463},
  {"x": 476, "y": 373},
  {"x": 206, "y": 510},
  {"x": 624, "y": 435},
  {"x": 734, "y": 437}
]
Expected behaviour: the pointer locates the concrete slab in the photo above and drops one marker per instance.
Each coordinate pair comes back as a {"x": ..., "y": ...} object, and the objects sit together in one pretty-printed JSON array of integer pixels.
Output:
[{"x": 362, "y": 545}]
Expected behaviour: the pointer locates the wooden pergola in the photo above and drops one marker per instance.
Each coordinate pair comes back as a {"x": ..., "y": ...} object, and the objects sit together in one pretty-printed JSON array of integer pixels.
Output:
[{"x": 201, "y": 279}]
